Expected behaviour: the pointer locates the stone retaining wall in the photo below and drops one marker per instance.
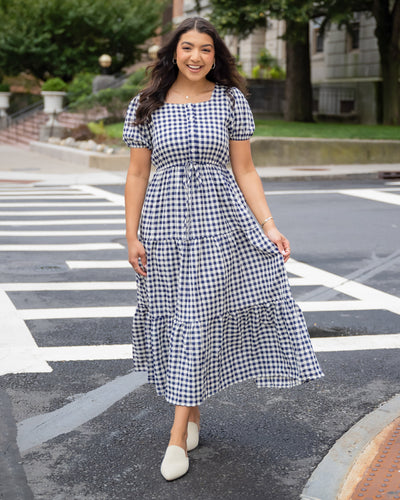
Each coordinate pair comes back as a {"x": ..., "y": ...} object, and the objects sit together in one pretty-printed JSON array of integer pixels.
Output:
[{"x": 280, "y": 151}]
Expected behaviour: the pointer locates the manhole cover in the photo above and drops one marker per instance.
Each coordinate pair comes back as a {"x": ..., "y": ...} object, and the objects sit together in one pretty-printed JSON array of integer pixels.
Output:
[{"x": 389, "y": 175}]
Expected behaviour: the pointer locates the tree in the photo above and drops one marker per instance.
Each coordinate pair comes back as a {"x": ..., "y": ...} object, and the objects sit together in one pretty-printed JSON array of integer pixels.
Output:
[
  {"x": 387, "y": 32},
  {"x": 241, "y": 18},
  {"x": 234, "y": 17},
  {"x": 64, "y": 37}
]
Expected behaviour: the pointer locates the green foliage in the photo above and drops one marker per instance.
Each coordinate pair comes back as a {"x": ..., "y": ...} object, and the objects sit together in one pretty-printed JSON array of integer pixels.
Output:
[
  {"x": 277, "y": 73},
  {"x": 115, "y": 100},
  {"x": 81, "y": 86},
  {"x": 54, "y": 85},
  {"x": 267, "y": 67},
  {"x": 64, "y": 37},
  {"x": 4, "y": 87},
  {"x": 265, "y": 59}
]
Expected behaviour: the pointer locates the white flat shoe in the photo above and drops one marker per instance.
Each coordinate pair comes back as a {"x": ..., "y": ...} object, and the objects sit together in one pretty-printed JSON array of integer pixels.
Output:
[
  {"x": 192, "y": 440},
  {"x": 175, "y": 463}
]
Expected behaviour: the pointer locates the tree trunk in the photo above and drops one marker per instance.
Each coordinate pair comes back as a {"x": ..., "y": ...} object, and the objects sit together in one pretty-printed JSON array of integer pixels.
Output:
[
  {"x": 298, "y": 73},
  {"x": 388, "y": 34}
]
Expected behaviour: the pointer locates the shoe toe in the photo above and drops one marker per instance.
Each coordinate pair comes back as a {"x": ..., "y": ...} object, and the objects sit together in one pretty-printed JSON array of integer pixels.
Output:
[{"x": 175, "y": 463}]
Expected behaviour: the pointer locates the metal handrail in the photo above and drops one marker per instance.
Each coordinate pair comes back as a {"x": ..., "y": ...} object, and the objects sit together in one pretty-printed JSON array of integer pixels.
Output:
[{"x": 23, "y": 113}]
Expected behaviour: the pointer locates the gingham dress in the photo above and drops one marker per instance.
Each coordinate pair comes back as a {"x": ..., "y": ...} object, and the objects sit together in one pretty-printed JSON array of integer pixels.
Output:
[{"x": 215, "y": 307}]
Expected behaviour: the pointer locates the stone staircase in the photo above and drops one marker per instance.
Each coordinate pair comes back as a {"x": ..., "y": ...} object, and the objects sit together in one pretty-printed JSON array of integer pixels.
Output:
[{"x": 23, "y": 132}]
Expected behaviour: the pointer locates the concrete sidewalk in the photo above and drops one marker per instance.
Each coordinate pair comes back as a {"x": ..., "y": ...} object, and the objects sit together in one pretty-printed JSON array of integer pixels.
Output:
[{"x": 25, "y": 166}]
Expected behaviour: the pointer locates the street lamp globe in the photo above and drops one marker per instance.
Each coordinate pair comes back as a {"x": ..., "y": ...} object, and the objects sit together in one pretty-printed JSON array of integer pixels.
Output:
[
  {"x": 105, "y": 61},
  {"x": 152, "y": 51}
]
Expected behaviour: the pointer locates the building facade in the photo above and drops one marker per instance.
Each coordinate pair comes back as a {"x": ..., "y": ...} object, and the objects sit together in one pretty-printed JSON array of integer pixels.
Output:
[{"x": 345, "y": 68}]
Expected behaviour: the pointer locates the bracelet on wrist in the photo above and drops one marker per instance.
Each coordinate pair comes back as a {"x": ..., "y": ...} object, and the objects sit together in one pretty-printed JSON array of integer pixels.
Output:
[{"x": 266, "y": 220}]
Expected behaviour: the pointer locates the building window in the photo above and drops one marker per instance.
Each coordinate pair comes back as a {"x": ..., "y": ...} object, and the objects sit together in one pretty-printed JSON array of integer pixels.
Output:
[
  {"x": 318, "y": 41},
  {"x": 353, "y": 37}
]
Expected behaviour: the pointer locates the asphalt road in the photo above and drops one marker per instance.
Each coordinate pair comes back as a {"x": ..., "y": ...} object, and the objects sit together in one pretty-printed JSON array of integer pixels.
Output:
[{"x": 75, "y": 423}]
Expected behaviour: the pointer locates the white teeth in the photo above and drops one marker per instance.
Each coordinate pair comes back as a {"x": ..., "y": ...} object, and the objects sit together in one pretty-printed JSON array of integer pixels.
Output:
[{"x": 193, "y": 67}]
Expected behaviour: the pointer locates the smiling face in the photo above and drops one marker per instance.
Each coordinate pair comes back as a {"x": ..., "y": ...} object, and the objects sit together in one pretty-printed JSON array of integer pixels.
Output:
[{"x": 195, "y": 55}]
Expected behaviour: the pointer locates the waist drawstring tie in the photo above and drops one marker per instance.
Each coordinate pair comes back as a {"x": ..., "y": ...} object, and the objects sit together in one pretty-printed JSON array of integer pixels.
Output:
[{"x": 191, "y": 177}]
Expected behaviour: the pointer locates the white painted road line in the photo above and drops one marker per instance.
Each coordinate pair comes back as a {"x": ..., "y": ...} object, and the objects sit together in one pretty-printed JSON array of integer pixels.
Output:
[
  {"x": 372, "y": 194},
  {"x": 19, "y": 352},
  {"x": 117, "y": 199},
  {"x": 357, "y": 343},
  {"x": 77, "y": 247},
  {"x": 46, "y": 213},
  {"x": 322, "y": 191},
  {"x": 86, "y": 204},
  {"x": 39, "y": 192},
  {"x": 368, "y": 297},
  {"x": 79, "y": 196},
  {"x": 91, "y": 232},
  {"x": 98, "y": 264},
  {"x": 77, "y": 312},
  {"x": 338, "y": 305},
  {"x": 87, "y": 352},
  {"x": 68, "y": 286},
  {"x": 57, "y": 222}
]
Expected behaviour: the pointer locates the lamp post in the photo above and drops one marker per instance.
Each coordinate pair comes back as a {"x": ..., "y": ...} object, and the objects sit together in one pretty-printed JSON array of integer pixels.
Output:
[
  {"x": 105, "y": 79},
  {"x": 105, "y": 61},
  {"x": 152, "y": 51}
]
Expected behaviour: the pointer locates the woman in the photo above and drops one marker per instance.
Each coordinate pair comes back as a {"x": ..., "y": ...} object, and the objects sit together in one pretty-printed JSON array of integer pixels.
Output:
[{"x": 214, "y": 304}]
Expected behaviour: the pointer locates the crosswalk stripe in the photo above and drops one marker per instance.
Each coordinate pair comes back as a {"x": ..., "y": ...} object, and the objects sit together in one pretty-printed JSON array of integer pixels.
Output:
[
  {"x": 337, "y": 305},
  {"x": 68, "y": 285},
  {"x": 19, "y": 352},
  {"x": 48, "y": 213},
  {"x": 368, "y": 297},
  {"x": 79, "y": 196},
  {"x": 54, "y": 233},
  {"x": 57, "y": 222},
  {"x": 77, "y": 312},
  {"x": 78, "y": 247},
  {"x": 98, "y": 264},
  {"x": 372, "y": 194},
  {"x": 118, "y": 199},
  {"x": 86, "y": 204}
]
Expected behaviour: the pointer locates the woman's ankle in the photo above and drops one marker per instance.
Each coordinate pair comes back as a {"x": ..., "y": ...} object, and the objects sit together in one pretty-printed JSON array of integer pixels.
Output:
[{"x": 194, "y": 415}]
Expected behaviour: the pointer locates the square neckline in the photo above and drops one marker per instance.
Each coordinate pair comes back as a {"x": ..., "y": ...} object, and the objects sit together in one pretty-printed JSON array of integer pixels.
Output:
[{"x": 193, "y": 103}]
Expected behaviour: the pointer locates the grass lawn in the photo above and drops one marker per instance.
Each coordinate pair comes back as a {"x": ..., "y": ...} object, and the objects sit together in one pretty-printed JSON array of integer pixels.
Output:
[{"x": 280, "y": 128}]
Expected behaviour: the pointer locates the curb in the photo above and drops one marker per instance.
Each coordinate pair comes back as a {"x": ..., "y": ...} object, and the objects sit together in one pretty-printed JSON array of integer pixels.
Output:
[{"x": 329, "y": 477}]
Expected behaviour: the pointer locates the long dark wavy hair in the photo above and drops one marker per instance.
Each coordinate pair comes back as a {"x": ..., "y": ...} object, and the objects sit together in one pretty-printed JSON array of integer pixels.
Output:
[{"x": 164, "y": 71}]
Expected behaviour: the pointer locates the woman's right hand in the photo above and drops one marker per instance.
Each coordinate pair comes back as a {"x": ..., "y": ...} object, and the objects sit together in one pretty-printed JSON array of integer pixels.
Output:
[{"x": 137, "y": 257}]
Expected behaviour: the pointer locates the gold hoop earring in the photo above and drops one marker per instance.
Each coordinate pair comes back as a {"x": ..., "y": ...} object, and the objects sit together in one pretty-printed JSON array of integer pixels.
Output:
[{"x": 213, "y": 66}]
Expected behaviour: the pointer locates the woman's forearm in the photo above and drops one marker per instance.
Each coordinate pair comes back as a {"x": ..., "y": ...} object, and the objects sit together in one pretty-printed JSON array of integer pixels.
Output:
[
  {"x": 135, "y": 190},
  {"x": 251, "y": 186}
]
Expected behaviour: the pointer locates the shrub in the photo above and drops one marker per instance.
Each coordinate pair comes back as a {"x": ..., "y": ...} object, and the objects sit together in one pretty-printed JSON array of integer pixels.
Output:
[
  {"x": 115, "y": 100},
  {"x": 81, "y": 86},
  {"x": 54, "y": 85},
  {"x": 4, "y": 87}
]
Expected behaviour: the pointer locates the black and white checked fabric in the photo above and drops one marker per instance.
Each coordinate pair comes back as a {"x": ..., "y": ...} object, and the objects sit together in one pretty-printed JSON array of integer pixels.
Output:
[{"x": 215, "y": 307}]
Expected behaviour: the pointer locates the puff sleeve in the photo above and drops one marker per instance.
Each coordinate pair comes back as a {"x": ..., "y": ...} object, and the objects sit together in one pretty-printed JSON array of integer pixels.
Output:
[
  {"x": 241, "y": 125},
  {"x": 136, "y": 136}
]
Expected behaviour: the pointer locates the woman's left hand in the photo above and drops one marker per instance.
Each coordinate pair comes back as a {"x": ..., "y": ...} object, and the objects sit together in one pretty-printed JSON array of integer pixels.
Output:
[{"x": 280, "y": 241}]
